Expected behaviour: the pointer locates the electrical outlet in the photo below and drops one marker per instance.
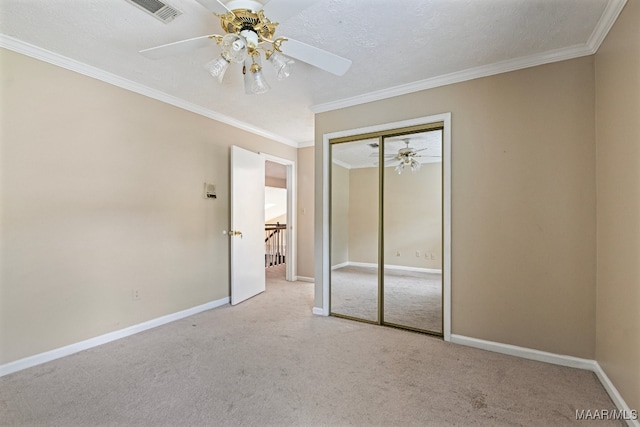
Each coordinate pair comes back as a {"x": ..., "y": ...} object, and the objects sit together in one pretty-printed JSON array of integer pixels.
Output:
[
  {"x": 397, "y": 253},
  {"x": 433, "y": 256},
  {"x": 135, "y": 294},
  {"x": 418, "y": 254}
]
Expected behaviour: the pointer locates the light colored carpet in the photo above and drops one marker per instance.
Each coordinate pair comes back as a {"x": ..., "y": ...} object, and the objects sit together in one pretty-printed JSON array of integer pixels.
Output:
[
  {"x": 411, "y": 298},
  {"x": 270, "y": 362}
]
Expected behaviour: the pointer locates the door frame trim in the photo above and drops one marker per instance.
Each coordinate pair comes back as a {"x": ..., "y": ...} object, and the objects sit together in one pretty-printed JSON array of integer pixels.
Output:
[
  {"x": 292, "y": 203},
  {"x": 322, "y": 255}
]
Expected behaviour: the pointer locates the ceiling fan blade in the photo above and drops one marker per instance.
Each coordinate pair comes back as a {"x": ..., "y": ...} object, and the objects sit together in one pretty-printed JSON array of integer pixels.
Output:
[
  {"x": 281, "y": 10},
  {"x": 317, "y": 57},
  {"x": 175, "y": 48},
  {"x": 214, "y": 6}
]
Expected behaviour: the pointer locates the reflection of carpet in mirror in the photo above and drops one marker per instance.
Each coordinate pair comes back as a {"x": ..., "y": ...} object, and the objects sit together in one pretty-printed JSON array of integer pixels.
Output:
[{"x": 411, "y": 298}]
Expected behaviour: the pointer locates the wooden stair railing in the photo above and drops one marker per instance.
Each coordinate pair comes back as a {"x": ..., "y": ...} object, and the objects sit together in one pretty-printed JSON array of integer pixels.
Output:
[{"x": 275, "y": 243}]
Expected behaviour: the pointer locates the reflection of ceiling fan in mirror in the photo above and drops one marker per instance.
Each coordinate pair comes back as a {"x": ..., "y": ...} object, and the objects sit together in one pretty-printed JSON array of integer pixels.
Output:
[
  {"x": 248, "y": 33},
  {"x": 406, "y": 157}
]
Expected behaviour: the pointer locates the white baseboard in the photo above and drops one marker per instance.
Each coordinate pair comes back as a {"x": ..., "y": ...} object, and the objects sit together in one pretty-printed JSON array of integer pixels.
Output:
[
  {"x": 614, "y": 394},
  {"x": 553, "y": 358},
  {"x": 57, "y": 353},
  {"x": 318, "y": 311},
  {"x": 388, "y": 267},
  {"x": 419, "y": 269},
  {"x": 525, "y": 353},
  {"x": 305, "y": 279}
]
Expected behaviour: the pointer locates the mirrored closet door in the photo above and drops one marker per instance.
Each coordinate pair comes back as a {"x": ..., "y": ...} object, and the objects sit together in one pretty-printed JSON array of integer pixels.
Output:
[
  {"x": 386, "y": 228},
  {"x": 354, "y": 231},
  {"x": 412, "y": 230}
]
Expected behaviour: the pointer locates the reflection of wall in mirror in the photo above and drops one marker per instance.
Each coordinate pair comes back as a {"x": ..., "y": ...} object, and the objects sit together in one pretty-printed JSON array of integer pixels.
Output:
[
  {"x": 339, "y": 215},
  {"x": 412, "y": 217},
  {"x": 363, "y": 215}
]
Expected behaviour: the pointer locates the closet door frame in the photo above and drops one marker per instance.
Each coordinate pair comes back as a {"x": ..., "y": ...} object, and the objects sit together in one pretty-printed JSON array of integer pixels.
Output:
[{"x": 382, "y": 131}]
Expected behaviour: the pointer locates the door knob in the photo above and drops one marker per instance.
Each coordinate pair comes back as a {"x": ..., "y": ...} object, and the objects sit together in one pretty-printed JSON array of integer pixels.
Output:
[{"x": 236, "y": 233}]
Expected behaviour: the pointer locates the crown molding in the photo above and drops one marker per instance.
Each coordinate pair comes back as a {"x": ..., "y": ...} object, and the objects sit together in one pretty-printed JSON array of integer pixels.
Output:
[
  {"x": 39, "y": 53},
  {"x": 306, "y": 144},
  {"x": 608, "y": 18},
  {"x": 457, "y": 77},
  {"x": 341, "y": 163}
]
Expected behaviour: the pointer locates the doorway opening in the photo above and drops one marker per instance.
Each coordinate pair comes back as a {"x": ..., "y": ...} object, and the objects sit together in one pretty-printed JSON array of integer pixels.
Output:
[
  {"x": 275, "y": 219},
  {"x": 247, "y": 214},
  {"x": 279, "y": 218}
]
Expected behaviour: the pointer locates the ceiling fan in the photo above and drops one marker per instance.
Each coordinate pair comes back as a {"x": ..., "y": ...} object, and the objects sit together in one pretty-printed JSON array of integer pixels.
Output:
[
  {"x": 248, "y": 31},
  {"x": 406, "y": 157}
]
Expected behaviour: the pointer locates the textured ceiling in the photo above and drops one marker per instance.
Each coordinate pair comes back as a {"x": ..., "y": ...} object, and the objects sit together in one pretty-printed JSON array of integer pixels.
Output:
[{"x": 392, "y": 43}]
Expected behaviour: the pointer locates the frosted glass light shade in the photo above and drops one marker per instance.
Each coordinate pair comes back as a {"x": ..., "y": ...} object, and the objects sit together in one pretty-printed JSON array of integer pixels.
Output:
[
  {"x": 217, "y": 67},
  {"x": 282, "y": 64},
  {"x": 234, "y": 48},
  {"x": 254, "y": 82},
  {"x": 258, "y": 83}
]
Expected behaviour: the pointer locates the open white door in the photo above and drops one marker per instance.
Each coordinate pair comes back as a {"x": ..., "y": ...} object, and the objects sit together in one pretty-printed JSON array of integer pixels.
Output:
[{"x": 247, "y": 224}]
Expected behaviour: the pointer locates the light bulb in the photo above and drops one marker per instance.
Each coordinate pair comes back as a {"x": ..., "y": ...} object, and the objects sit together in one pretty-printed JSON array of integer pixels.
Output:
[{"x": 234, "y": 48}]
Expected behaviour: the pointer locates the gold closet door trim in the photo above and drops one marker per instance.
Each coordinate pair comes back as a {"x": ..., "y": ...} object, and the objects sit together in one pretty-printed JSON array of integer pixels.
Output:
[
  {"x": 381, "y": 135},
  {"x": 390, "y": 133}
]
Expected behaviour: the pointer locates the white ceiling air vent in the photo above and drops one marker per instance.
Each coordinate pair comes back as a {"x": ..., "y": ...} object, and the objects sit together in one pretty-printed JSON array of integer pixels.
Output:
[{"x": 160, "y": 10}]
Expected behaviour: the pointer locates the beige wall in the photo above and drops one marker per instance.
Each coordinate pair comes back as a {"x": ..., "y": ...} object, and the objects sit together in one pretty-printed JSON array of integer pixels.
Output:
[
  {"x": 305, "y": 171},
  {"x": 523, "y": 200},
  {"x": 339, "y": 215},
  {"x": 270, "y": 181},
  {"x": 618, "y": 208},
  {"x": 412, "y": 217},
  {"x": 102, "y": 194},
  {"x": 363, "y": 215}
]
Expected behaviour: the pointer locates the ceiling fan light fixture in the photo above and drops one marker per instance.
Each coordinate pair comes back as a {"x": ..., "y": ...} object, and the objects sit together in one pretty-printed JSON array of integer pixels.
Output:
[
  {"x": 250, "y": 34},
  {"x": 234, "y": 48},
  {"x": 217, "y": 67},
  {"x": 258, "y": 83},
  {"x": 254, "y": 81},
  {"x": 283, "y": 65},
  {"x": 405, "y": 160},
  {"x": 251, "y": 38},
  {"x": 415, "y": 165}
]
